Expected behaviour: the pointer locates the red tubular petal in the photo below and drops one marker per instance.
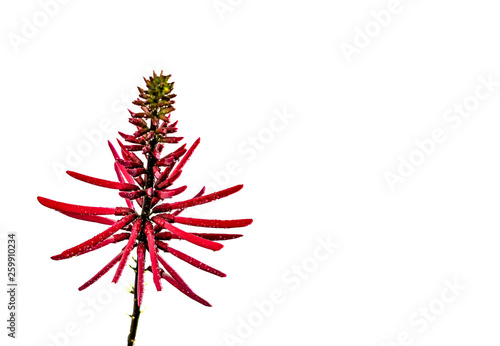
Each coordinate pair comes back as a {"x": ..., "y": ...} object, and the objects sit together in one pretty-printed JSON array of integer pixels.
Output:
[
  {"x": 130, "y": 245},
  {"x": 111, "y": 240},
  {"x": 140, "y": 272},
  {"x": 156, "y": 171},
  {"x": 167, "y": 160},
  {"x": 186, "y": 157},
  {"x": 138, "y": 122},
  {"x": 76, "y": 209},
  {"x": 197, "y": 200},
  {"x": 131, "y": 148},
  {"x": 171, "y": 139},
  {"x": 166, "y": 130},
  {"x": 85, "y": 246},
  {"x": 101, "y": 272},
  {"x": 202, "y": 191},
  {"x": 179, "y": 151},
  {"x": 134, "y": 172},
  {"x": 155, "y": 201},
  {"x": 101, "y": 182},
  {"x": 140, "y": 132},
  {"x": 190, "y": 294},
  {"x": 218, "y": 236},
  {"x": 152, "y": 254},
  {"x": 132, "y": 139},
  {"x": 157, "y": 228},
  {"x": 161, "y": 245},
  {"x": 139, "y": 201},
  {"x": 130, "y": 156},
  {"x": 176, "y": 154},
  {"x": 136, "y": 115},
  {"x": 169, "y": 181},
  {"x": 120, "y": 237},
  {"x": 173, "y": 273},
  {"x": 123, "y": 211},
  {"x": 113, "y": 151},
  {"x": 212, "y": 223},
  {"x": 209, "y": 236},
  {"x": 124, "y": 163},
  {"x": 91, "y": 218},
  {"x": 194, "y": 262},
  {"x": 139, "y": 181},
  {"x": 120, "y": 178},
  {"x": 164, "y": 175},
  {"x": 157, "y": 151},
  {"x": 163, "y": 235},
  {"x": 123, "y": 171},
  {"x": 188, "y": 236},
  {"x": 162, "y": 194},
  {"x": 132, "y": 194}
]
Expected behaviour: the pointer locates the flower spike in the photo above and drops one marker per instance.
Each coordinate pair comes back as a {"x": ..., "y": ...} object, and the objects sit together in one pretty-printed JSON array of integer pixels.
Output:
[{"x": 147, "y": 172}]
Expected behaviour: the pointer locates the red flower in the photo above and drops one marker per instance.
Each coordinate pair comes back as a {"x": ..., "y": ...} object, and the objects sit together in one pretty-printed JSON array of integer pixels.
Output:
[{"x": 150, "y": 228}]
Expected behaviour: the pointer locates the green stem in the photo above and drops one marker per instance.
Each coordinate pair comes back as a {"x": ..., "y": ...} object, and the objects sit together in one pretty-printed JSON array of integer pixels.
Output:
[{"x": 135, "y": 315}]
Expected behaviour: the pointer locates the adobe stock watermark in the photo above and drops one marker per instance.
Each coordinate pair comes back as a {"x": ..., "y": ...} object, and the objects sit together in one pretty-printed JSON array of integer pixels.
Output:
[
  {"x": 293, "y": 278},
  {"x": 31, "y": 26},
  {"x": 454, "y": 118},
  {"x": 223, "y": 7},
  {"x": 83, "y": 148},
  {"x": 427, "y": 314},
  {"x": 364, "y": 35}
]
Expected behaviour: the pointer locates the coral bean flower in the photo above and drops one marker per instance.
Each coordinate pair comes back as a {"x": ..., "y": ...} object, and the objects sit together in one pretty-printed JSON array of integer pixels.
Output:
[{"x": 151, "y": 220}]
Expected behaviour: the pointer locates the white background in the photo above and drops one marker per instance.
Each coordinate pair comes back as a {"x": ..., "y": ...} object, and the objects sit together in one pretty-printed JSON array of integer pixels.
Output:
[{"x": 322, "y": 175}]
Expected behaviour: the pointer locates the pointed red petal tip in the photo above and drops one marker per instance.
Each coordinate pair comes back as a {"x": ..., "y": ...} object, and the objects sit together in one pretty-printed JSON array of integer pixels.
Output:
[
  {"x": 101, "y": 182},
  {"x": 186, "y": 157},
  {"x": 194, "y": 262},
  {"x": 101, "y": 272},
  {"x": 188, "y": 293},
  {"x": 113, "y": 150},
  {"x": 173, "y": 273},
  {"x": 212, "y": 223},
  {"x": 123, "y": 171},
  {"x": 217, "y": 236},
  {"x": 73, "y": 208},
  {"x": 90, "y": 218},
  {"x": 207, "y": 244},
  {"x": 132, "y": 194},
  {"x": 87, "y": 245},
  {"x": 163, "y": 194},
  {"x": 197, "y": 200}
]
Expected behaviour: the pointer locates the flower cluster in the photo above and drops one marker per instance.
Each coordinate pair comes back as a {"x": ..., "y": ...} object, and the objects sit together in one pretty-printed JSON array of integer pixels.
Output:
[{"x": 147, "y": 223}]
